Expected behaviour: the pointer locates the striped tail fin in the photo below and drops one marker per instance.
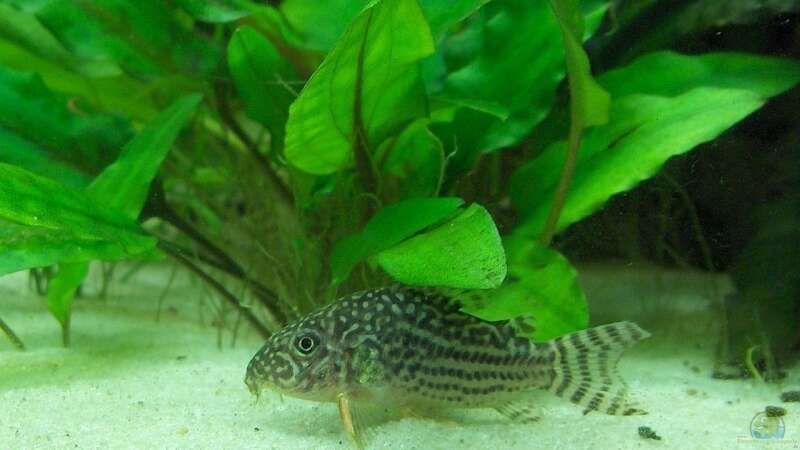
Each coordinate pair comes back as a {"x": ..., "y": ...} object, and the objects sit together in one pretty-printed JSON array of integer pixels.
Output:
[{"x": 585, "y": 367}]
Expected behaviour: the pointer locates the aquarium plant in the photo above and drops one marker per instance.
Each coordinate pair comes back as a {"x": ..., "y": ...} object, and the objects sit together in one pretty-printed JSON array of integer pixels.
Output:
[{"x": 292, "y": 152}]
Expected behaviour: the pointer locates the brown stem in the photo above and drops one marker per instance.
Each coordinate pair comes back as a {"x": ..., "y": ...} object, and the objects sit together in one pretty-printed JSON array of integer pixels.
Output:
[
  {"x": 217, "y": 286},
  {"x": 560, "y": 197},
  {"x": 230, "y": 121},
  {"x": 360, "y": 142},
  {"x": 11, "y": 335}
]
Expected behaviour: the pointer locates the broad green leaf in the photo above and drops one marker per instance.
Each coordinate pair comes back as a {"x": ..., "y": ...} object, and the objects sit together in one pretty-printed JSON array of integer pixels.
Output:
[
  {"x": 542, "y": 286},
  {"x": 265, "y": 80},
  {"x": 465, "y": 252},
  {"x": 321, "y": 23},
  {"x": 24, "y": 28},
  {"x": 61, "y": 290},
  {"x": 670, "y": 74},
  {"x": 54, "y": 220},
  {"x": 24, "y": 247},
  {"x": 390, "y": 226},
  {"x": 123, "y": 186},
  {"x": 215, "y": 11},
  {"x": 413, "y": 163},
  {"x": 644, "y": 131},
  {"x": 371, "y": 77}
]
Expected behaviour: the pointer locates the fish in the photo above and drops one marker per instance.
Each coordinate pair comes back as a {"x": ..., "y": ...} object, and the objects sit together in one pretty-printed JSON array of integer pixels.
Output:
[{"x": 414, "y": 350}]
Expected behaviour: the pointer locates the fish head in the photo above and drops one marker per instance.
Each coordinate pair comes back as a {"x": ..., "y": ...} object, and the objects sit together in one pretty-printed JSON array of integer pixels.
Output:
[{"x": 297, "y": 361}]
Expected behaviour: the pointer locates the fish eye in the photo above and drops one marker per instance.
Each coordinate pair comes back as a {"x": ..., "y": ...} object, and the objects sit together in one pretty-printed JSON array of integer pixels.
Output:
[{"x": 306, "y": 343}]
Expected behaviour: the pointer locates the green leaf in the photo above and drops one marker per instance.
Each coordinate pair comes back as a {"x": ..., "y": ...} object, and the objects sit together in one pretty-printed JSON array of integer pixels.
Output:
[
  {"x": 264, "y": 79},
  {"x": 412, "y": 163},
  {"x": 61, "y": 290},
  {"x": 31, "y": 111},
  {"x": 50, "y": 223},
  {"x": 670, "y": 74},
  {"x": 517, "y": 64},
  {"x": 123, "y": 186},
  {"x": 589, "y": 103},
  {"x": 24, "y": 247},
  {"x": 643, "y": 133},
  {"x": 215, "y": 11},
  {"x": 370, "y": 80},
  {"x": 17, "y": 151},
  {"x": 465, "y": 252},
  {"x": 321, "y": 23},
  {"x": 646, "y": 130},
  {"x": 390, "y": 226},
  {"x": 543, "y": 286}
]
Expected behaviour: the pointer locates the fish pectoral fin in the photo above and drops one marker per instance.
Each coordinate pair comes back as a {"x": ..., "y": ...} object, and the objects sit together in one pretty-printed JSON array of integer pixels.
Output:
[
  {"x": 358, "y": 418},
  {"x": 519, "y": 411}
]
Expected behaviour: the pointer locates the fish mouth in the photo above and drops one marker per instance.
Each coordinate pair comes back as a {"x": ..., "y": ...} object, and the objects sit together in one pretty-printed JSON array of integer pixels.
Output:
[{"x": 255, "y": 386}]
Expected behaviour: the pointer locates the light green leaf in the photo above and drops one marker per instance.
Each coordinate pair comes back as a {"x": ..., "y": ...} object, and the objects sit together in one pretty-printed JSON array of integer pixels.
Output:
[
  {"x": 390, "y": 226},
  {"x": 465, "y": 252},
  {"x": 643, "y": 133},
  {"x": 215, "y": 11},
  {"x": 123, "y": 185},
  {"x": 265, "y": 81},
  {"x": 542, "y": 285},
  {"x": 369, "y": 80}
]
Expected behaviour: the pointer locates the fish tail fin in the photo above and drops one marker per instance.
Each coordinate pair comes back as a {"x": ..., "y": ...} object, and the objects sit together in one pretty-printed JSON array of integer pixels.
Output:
[{"x": 584, "y": 367}]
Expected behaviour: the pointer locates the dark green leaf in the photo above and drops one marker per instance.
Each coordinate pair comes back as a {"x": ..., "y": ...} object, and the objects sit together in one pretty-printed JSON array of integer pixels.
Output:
[
  {"x": 17, "y": 151},
  {"x": 321, "y": 23},
  {"x": 465, "y": 252},
  {"x": 390, "y": 226},
  {"x": 265, "y": 81},
  {"x": 31, "y": 111},
  {"x": 215, "y": 11},
  {"x": 413, "y": 163},
  {"x": 376, "y": 61}
]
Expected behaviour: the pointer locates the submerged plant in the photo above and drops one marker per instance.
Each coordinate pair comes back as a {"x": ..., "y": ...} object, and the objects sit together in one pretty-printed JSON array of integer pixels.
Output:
[{"x": 310, "y": 149}]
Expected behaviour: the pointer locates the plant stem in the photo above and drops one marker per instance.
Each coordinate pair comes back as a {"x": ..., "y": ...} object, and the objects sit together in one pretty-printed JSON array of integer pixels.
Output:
[
  {"x": 560, "y": 197},
  {"x": 230, "y": 121},
  {"x": 217, "y": 286},
  {"x": 360, "y": 143},
  {"x": 11, "y": 335}
]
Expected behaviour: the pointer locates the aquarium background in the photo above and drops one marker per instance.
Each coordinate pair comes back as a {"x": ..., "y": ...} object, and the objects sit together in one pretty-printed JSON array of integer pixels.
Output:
[{"x": 181, "y": 179}]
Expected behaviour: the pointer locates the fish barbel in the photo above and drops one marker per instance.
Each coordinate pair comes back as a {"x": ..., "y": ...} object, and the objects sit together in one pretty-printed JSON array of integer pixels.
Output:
[{"x": 414, "y": 350}]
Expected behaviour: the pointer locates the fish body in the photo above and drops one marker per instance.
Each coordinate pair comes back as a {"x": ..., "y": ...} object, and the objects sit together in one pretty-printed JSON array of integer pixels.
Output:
[{"x": 413, "y": 348}]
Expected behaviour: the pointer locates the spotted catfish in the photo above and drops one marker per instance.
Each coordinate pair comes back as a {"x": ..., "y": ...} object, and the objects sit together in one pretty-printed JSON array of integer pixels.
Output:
[{"x": 413, "y": 350}]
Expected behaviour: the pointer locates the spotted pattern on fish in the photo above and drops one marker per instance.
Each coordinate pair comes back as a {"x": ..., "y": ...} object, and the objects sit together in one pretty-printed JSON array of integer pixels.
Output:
[{"x": 414, "y": 346}]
